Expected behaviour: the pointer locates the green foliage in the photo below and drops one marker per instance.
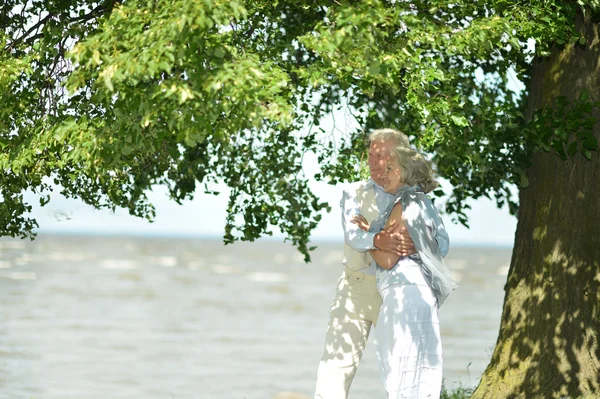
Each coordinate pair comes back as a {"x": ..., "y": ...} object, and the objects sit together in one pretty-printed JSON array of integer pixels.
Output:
[
  {"x": 108, "y": 99},
  {"x": 565, "y": 128},
  {"x": 462, "y": 392}
]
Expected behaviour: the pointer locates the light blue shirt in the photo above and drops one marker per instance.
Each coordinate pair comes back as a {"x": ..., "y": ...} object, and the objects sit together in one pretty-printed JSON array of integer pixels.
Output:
[
  {"x": 362, "y": 241},
  {"x": 425, "y": 226}
]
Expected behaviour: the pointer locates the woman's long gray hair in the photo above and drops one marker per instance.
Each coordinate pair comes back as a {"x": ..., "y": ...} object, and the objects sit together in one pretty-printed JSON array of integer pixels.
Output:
[{"x": 416, "y": 169}]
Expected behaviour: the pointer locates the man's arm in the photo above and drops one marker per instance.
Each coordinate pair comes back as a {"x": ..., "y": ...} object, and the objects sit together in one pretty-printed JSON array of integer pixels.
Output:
[
  {"x": 356, "y": 238},
  {"x": 394, "y": 225},
  {"x": 390, "y": 239}
]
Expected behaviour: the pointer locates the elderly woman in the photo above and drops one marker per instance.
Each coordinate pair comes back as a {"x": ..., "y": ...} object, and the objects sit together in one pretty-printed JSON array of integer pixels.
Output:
[{"x": 409, "y": 346}]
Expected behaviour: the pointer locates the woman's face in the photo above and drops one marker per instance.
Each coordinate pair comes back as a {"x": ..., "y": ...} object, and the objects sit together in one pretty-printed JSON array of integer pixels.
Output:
[{"x": 392, "y": 178}]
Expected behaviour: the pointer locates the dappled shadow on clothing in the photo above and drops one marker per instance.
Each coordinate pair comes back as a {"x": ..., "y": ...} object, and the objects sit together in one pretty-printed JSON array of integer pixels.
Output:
[
  {"x": 354, "y": 310},
  {"x": 409, "y": 343}
]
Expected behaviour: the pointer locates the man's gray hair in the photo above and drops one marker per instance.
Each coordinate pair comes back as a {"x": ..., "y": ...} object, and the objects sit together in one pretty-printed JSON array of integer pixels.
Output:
[
  {"x": 397, "y": 136},
  {"x": 416, "y": 169}
]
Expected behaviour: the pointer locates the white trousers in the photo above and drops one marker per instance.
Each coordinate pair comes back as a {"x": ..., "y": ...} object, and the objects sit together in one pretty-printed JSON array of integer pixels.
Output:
[
  {"x": 409, "y": 347},
  {"x": 354, "y": 310}
]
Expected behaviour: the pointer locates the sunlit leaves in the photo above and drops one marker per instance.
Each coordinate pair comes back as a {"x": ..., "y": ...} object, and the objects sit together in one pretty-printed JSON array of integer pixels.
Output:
[
  {"x": 110, "y": 98},
  {"x": 446, "y": 83}
]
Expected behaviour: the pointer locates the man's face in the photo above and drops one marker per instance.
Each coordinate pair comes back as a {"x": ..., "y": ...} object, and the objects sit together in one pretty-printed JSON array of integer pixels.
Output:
[{"x": 379, "y": 155}]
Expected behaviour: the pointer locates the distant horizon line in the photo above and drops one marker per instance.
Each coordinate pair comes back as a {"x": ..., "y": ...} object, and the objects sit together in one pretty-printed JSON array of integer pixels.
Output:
[{"x": 216, "y": 237}]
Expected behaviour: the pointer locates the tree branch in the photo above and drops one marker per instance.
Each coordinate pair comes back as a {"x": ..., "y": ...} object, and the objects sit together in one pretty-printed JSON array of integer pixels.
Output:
[
  {"x": 92, "y": 14},
  {"x": 96, "y": 12},
  {"x": 33, "y": 28}
]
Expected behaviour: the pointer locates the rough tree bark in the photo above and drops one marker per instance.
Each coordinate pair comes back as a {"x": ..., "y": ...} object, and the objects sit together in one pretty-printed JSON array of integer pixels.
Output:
[{"x": 548, "y": 342}]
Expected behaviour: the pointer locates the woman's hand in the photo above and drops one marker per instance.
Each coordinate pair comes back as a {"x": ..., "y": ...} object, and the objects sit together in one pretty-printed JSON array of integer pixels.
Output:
[{"x": 361, "y": 222}]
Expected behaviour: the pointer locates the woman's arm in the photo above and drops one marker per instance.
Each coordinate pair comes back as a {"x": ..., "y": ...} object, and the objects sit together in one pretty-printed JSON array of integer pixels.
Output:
[{"x": 387, "y": 260}]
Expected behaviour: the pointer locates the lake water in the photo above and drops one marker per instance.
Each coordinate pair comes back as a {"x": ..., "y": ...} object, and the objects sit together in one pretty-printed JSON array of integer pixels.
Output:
[{"x": 135, "y": 317}]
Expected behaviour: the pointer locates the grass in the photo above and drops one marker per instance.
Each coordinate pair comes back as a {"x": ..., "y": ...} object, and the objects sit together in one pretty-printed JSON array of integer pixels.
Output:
[{"x": 462, "y": 392}]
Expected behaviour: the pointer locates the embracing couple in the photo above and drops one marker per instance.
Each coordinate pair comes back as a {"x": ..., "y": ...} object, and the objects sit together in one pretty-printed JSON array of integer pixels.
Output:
[{"x": 394, "y": 277}]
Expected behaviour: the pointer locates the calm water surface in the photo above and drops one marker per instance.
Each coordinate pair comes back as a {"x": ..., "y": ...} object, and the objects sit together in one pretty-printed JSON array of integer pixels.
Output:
[{"x": 122, "y": 317}]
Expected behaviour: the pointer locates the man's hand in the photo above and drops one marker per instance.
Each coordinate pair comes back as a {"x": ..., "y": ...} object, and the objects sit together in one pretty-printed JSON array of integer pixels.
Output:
[
  {"x": 361, "y": 222},
  {"x": 398, "y": 243}
]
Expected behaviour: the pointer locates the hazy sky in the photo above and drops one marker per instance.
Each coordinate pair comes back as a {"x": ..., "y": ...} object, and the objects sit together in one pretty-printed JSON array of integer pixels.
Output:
[{"x": 205, "y": 216}]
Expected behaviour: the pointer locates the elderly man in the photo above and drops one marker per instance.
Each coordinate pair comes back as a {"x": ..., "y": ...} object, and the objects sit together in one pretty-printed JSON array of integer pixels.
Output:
[{"x": 356, "y": 304}]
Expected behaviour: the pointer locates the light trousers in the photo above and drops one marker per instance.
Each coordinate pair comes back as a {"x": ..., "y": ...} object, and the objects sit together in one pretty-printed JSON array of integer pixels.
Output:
[
  {"x": 354, "y": 310},
  {"x": 409, "y": 346}
]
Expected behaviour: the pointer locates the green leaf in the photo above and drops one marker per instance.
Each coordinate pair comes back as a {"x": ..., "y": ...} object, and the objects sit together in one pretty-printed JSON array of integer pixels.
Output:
[
  {"x": 44, "y": 199},
  {"x": 545, "y": 147},
  {"x": 108, "y": 82},
  {"x": 460, "y": 120},
  {"x": 219, "y": 53},
  {"x": 374, "y": 68},
  {"x": 590, "y": 143},
  {"x": 126, "y": 150},
  {"x": 561, "y": 133},
  {"x": 559, "y": 149}
]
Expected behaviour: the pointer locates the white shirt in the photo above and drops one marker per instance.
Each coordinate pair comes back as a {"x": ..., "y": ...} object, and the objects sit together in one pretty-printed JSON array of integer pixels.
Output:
[{"x": 356, "y": 238}]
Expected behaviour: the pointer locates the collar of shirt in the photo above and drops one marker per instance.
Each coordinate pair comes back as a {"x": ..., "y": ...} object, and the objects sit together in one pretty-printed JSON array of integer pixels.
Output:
[
  {"x": 382, "y": 198},
  {"x": 406, "y": 188}
]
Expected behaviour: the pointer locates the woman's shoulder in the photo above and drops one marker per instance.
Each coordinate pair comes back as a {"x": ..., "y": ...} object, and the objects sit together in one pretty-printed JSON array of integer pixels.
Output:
[
  {"x": 424, "y": 197},
  {"x": 416, "y": 203},
  {"x": 412, "y": 196},
  {"x": 426, "y": 206},
  {"x": 395, "y": 216}
]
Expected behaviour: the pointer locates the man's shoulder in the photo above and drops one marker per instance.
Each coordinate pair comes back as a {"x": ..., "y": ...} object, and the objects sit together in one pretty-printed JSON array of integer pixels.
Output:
[{"x": 354, "y": 187}]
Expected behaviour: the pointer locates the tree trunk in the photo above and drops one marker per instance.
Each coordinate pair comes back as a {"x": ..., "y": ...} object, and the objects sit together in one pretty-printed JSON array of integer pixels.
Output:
[{"x": 548, "y": 343}]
